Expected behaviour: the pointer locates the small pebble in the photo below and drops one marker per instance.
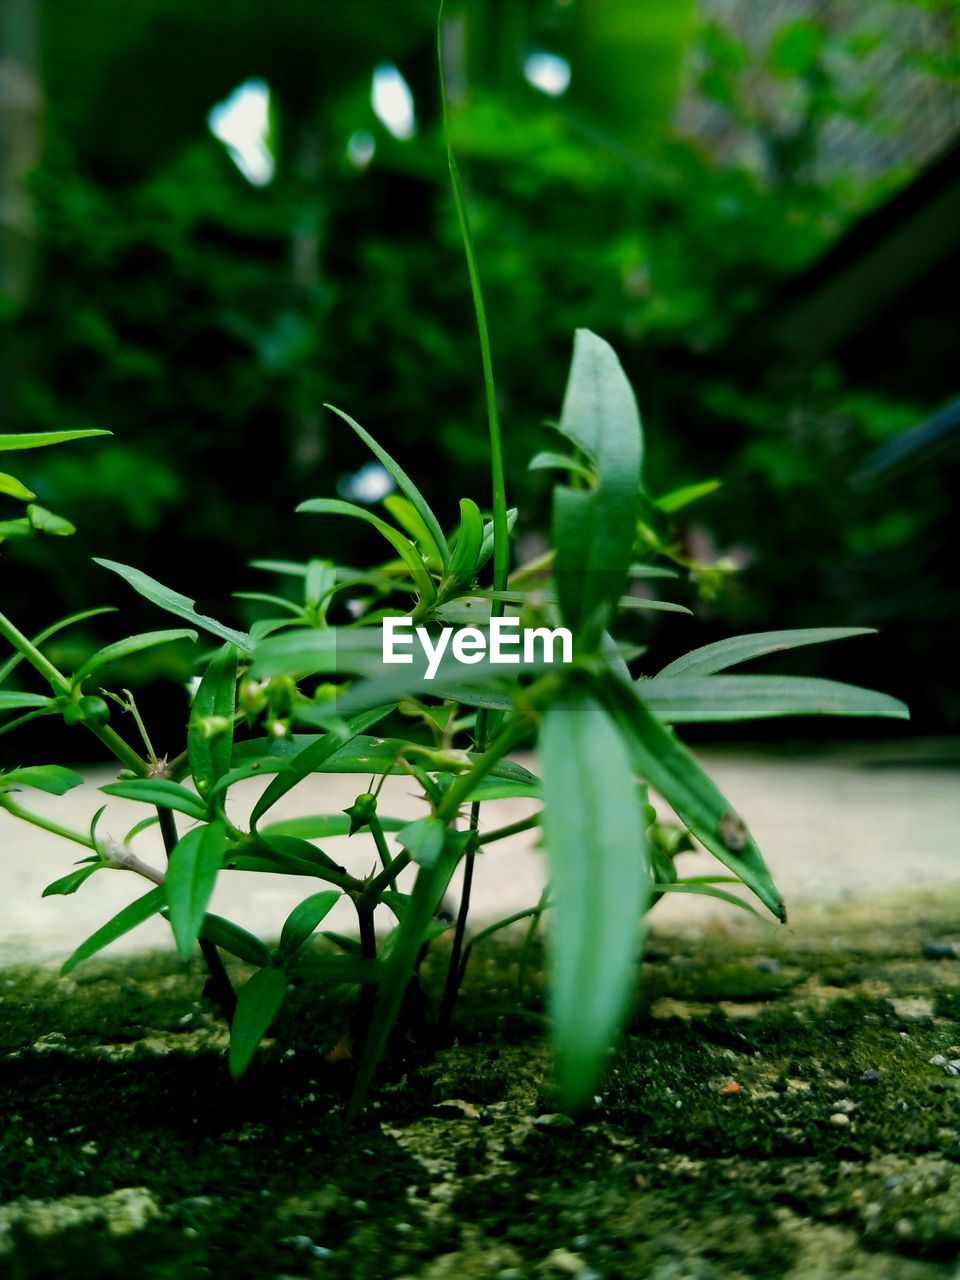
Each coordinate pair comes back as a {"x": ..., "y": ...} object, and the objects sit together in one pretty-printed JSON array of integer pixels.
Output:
[
  {"x": 766, "y": 964},
  {"x": 871, "y": 1076},
  {"x": 844, "y": 1106},
  {"x": 953, "y": 1068},
  {"x": 938, "y": 1060},
  {"x": 839, "y": 1119}
]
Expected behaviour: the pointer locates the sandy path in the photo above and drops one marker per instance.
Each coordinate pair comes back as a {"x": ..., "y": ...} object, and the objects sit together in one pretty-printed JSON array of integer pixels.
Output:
[{"x": 831, "y": 829}]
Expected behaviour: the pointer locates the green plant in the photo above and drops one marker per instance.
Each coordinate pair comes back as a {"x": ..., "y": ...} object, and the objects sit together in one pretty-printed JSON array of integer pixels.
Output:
[{"x": 315, "y": 665}]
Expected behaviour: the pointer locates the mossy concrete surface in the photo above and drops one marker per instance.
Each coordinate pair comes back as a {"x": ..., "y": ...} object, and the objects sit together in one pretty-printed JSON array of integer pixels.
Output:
[{"x": 782, "y": 1105}]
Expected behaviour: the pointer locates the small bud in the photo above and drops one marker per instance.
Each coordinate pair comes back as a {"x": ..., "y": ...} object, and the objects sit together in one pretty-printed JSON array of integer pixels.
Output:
[
  {"x": 361, "y": 811},
  {"x": 211, "y": 726},
  {"x": 253, "y": 698},
  {"x": 278, "y": 728}
]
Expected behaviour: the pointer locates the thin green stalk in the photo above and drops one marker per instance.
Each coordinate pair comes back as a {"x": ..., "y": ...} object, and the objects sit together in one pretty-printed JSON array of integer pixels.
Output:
[
  {"x": 451, "y": 987},
  {"x": 380, "y": 840},
  {"x": 512, "y": 829},
  {"x": 33, "y": 655},
  {"x": 371, "y": 894},
  {"x": 501, "y": 534},
  {"x": 45, "y": 824}
]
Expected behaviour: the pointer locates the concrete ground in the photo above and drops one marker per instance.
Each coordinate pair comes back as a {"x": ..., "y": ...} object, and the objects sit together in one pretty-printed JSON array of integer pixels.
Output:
[{"x": 875, "y": 822}]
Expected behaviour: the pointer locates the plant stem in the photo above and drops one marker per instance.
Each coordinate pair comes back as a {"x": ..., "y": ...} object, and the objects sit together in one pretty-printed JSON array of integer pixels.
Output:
[
  {"x": 33, "y": 655},
  {"x": 501, "y": 534},
  {"x": 513, "y": 829},
  {"x": 220, "y": 986},
  {"x": 380, "y": 840},
  {"x": 371, "y": 894},
  {"x": 451, "y": 987},
  {"x": 36, "y": 820}
]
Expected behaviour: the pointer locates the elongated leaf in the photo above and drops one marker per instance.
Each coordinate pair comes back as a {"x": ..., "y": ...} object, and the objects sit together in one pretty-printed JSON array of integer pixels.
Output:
[
  {"x": 71, "y": 882},
  {"x": 596, "y": 846},
  {"x": 323, "y": 826},
  {"x": 257, "y": 1006},
  {"x": 466, "y": 554},
  {"x": 360, "y": 754},
  {"x": 138, "y": 911},
  {"x": 683, "y": 700},
  {"x": 404, "y": 483},
  {"x": 428, "y": 889},
  {"x": 706, "y": 891},
  {"x": 402, "y": 545},
  {"x": 49, "y": 522},
  {"x": 548, "y": 461},
  {"x": 730, "y": 653},
  {"x": 660, "y": 759},
  {"x": 677, "y": 499},
  {"x": 15, "y": 701},
  {"x": 408, "y": 518},
  {"x": 309, "y": 760},
  {"x": 175, "y": 603},
  {"x": 594, "y": 532},
  {"x": 302, "y": 921},
  {"x": 160, "y": 792},
  {"x": 11, "y": 663},
  {"x": 210, "y": 756},
  {"x": 52, "y": 778},
  {"x": 13, "y": 488},
  {"x": 132, "y": 644},
  {"x": 191, "y": 876},
  {"x": 231, "y": 937},
  {"x": 40, "y": 439}
]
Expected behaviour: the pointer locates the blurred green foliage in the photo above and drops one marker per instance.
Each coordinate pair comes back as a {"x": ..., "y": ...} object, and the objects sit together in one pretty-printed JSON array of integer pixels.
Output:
[{"x": 204, "y": 320}]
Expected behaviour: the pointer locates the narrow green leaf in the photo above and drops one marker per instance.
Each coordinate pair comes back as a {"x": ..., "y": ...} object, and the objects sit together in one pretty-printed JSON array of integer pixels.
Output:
[
  {"x": 40, "y": 439},
  {"x": 160, "y": 792},
  {"x": 661, "y": 760},
  {"x": 402, "y": 545},
  {"x": 175, "y": 603},
  {"x": 210, "y": 756},
  {"x": 466, "y": 554},
  {"x": 70, "y": 883},
  {"x": 12, "y": 487},
  {"x": 405, "y": 484},
  {"x": 677, "y": 499},
  {"x": 52, "y": 778},
  {"x": 257, "y": 1005},
  {"x": 11, "y": 664},
  {"x": 231, "y": 937},
  {"x": 548, "y": 461},
  {"x": 730, "y": 653},
  {"x": 409, "y": 519},
  {"x": 596, "y": 846},
  {"x": 126, "y": 648},
  {"x": 302, "y": 921},
  {"x": 683, "y": 700},
  {"x": 10, "y": 701},
  {"x": 49, "y": 522},
  {"x": 308, "y": 760},
  {"x": 138, "y": 911},
  {"x": 323, "y": 826},
  {"x": 706, "y": 891},
  {"x": 191, "y": 876},
  {"x": 594, "y": 532}
]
